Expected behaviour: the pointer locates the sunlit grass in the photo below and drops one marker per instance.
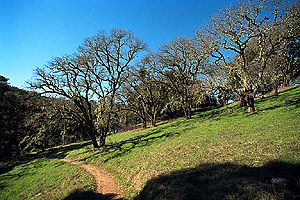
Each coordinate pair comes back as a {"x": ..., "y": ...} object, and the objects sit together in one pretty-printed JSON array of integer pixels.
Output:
[
  {"x": 225, "y": 135},
  {"x": 224, "y": 153},
  {"x": 44, "y": 178}
]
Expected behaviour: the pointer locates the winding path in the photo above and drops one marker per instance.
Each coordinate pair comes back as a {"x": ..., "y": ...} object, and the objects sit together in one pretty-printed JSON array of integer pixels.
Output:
[{"x": 106, "y": 185}]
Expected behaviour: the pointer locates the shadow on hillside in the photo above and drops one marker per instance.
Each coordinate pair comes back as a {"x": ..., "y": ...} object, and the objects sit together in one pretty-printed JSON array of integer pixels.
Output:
[
  {"x": 27, "y": 169},
  {"x": 125, "y": 146},
  {"x": 285, "y": 99},
  {"x": 226, "y": 181},
  {"x": 84, "y": 195},
  {"x": 214, "y": 115},
  {"x": 116, "y": 149},
  {"x": 56, "y": 152},
  {"x": 288, "y": 97},
  {"x": 62, "y": 152}
]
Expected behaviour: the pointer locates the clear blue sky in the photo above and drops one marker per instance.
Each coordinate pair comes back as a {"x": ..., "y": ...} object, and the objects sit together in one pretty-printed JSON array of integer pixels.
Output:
[{"x": 32, "y": 32}]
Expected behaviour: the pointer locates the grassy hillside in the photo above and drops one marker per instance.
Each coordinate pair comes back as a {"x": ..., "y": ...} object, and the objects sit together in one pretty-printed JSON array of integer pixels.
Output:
[
  {"x": 45, "y": 178},
  {"x": 219, "y": 154},
  {"x": 223, "y": 153}
]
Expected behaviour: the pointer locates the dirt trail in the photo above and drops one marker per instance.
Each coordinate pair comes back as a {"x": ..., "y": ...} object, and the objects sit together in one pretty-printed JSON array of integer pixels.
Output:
[{"x": 106, "y": 185}]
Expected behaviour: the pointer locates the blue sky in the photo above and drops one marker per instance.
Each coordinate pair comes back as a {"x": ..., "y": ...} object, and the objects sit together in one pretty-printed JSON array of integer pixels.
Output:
[{"x": 32, "y": 32}]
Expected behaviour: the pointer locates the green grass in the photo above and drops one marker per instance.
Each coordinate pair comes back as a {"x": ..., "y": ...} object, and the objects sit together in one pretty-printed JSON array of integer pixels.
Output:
[
  {"x": 211, "y": 140},
  {"x": 45, "y": 178},
  {"x": 224, "y": 153}
]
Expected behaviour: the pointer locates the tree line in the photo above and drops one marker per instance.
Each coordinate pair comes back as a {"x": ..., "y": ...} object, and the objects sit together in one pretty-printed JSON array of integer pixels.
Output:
[
  {"x": 114, "y": 82},
  {"x": 32, "y": 122}
]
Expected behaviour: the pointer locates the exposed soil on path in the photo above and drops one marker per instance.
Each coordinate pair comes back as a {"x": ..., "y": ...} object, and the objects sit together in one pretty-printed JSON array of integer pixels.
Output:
[{"x": 107, "y": 188}]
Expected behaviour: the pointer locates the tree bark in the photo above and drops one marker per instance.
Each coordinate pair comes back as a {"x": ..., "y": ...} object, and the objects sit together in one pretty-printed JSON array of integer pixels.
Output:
[
  {"x": 250, "y": 104},
  {"x": 243, "y": 102},
  {"x": 285, "y": 81},
  {"x": 102, "y": 139},
  {"x": 187, "y": 112},
  {"x": 276, "y": 91},
  {"x": 93, "y": 138},
  {"x": 144, "y": 124},
  {"x": 222, "y": 98},
  {"x": 153, "y": 121}
]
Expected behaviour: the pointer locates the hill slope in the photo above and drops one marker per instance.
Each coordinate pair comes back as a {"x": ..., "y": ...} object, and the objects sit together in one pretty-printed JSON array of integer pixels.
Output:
[
  {"x": 224, "y": 153},
  {"x": 45, "y": 178},
  {"x": 228, "y": 142}
]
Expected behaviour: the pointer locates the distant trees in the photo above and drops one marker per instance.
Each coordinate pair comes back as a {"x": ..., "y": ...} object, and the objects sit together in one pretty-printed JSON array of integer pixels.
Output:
[
  {"x": 181, "y": 62},
  {"x": 144, "y": 91},
  {"x": 30, "y": 122},
  {"x": 68, "y": 77},
  {"x": 11, "y": 112}
]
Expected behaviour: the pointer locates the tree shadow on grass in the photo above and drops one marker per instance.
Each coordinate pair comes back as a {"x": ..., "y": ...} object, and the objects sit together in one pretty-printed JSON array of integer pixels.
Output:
[
  {"x": 226, "y": 181},
  {"x": 288, "y": 97},
  {"x": 114, "y": 150},
  {"x": 28, "y": 169},
  {"x": 120, "y": 148},
  {"x": 62, "y": 152},
  {"x": 85, "y": 195},
  {"x": 56, "y": 152}
]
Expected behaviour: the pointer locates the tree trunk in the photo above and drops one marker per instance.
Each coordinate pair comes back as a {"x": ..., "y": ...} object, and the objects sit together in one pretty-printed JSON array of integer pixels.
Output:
[
  {"x": 153, "y": 121},
  {"x": 64, "y": 134},
  {"x": 223, "y": 99},
  {"x": 93, "y": 138},
  {"x": 250, "y": 104},
  {"x": 285, "y": 82},
  {"x": 102, "y": 139},
  {"x": 43, "y": 147},
  {"x": 144, "y": 124},
  {"x": 276, "y": 91},
  {"x": 187, "y": 112},
  {"x": 126, "y": 121},
  {"x": 243, "y": 102}
]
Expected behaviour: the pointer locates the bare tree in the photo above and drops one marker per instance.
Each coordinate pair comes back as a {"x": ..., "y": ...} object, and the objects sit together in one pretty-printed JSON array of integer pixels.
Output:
[
  {"x": 283, "y": 67},
  {"x": 231, "y": 32},
  {"x": 95, "y": 73},
  {"x": 180, "y": 64},
  {"x": 68, "y": 77},
  {"x": 114, "y": 53},
  {"x": 147, "y": 86},
  {"x": 132, "y": 104}
]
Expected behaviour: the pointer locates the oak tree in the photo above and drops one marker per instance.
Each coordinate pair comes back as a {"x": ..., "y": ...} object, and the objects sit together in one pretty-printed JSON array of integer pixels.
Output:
[{"x": 92, "y": 75}]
